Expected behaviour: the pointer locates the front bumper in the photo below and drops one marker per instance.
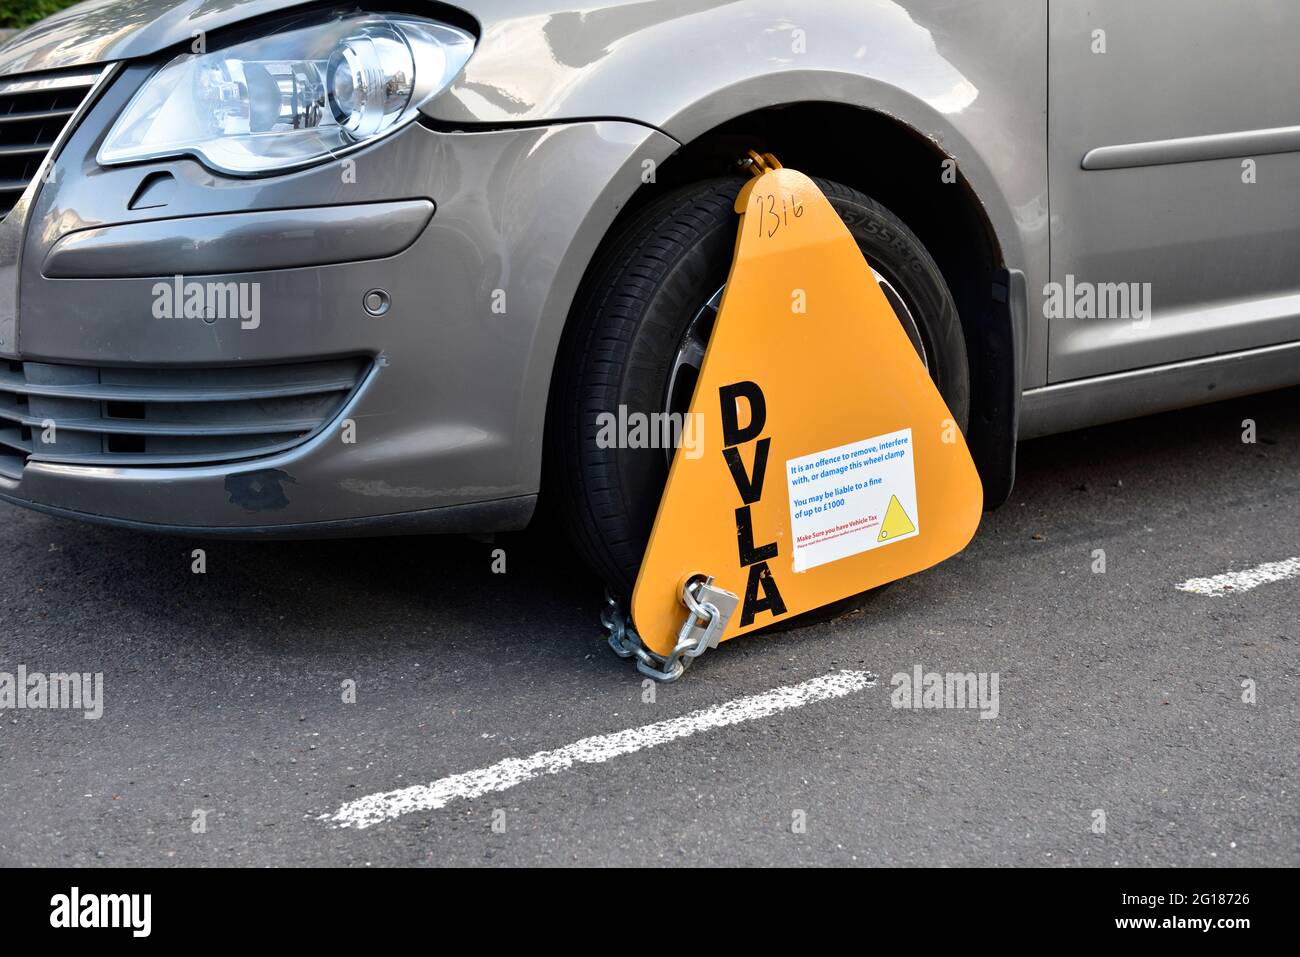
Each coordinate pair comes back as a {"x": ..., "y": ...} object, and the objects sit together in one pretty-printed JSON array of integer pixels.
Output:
[{"x": 443, "y": 431}]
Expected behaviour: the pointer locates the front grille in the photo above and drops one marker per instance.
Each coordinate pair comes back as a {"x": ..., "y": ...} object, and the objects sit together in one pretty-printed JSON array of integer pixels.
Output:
[
  {"x": 33, "y": 112},
  {"x": 114, "y": 416}
]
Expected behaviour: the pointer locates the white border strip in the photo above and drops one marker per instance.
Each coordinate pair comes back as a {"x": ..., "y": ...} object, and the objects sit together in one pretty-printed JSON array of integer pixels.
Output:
[
  {"x": 377, "y": 808},
  {"x": 1232, "y": 582}
]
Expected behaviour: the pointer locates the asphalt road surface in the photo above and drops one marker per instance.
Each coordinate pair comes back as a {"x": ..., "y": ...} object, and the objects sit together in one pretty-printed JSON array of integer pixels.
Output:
[{"x": 1122, "y": 733}]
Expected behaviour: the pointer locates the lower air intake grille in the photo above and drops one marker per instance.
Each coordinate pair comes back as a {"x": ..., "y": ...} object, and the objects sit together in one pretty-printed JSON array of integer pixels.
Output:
[
  {"x": 133, "y": 417},
  {"x": 33, "y": 112}
]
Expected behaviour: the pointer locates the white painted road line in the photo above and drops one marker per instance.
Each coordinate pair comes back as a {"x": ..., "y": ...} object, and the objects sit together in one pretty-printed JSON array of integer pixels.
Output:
[
  {"x": 377, "y": 808},
  {"x": 1232, "y": 582}
]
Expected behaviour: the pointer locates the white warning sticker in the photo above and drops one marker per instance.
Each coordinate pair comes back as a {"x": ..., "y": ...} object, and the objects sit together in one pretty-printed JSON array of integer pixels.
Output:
[{"x": 852, "y": 499}]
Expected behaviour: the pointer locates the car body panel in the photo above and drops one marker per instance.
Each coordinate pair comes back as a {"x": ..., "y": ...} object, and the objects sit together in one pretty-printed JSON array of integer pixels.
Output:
[
  {"x": 251, "y": 241},
  {"x": 454, "y": 411},
  {"x": 1123, "y": 395},
  {"x": 1202, "y": 86},
  {"x": 106, "y": 31}
]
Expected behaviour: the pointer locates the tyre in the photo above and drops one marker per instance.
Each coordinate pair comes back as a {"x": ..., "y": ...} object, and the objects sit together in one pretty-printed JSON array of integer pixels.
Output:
[{"x": 636, "y": 340}]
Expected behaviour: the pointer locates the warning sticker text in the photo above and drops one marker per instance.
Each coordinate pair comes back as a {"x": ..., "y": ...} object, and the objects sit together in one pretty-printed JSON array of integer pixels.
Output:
[{"x": 851, "y": 499}]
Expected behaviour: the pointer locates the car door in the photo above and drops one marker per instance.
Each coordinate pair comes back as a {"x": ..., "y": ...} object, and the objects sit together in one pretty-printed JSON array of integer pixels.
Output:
[{"x": 1174, "y": 158}]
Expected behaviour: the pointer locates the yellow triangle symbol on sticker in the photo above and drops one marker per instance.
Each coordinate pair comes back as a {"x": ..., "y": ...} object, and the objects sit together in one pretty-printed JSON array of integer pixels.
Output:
[{"x": 896, "y": 522}]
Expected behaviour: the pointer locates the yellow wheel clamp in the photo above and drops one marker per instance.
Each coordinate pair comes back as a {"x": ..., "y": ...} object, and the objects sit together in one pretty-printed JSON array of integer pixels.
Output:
[{"x": 831, "y": 464}]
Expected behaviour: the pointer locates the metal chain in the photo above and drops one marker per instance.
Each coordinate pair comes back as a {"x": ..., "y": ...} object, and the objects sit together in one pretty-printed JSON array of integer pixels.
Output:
[{"x": 693, "y": 639}]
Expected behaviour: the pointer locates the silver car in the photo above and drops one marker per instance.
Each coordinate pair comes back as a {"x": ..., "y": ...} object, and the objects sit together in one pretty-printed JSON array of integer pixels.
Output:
[{"x": 270, "y": 268}]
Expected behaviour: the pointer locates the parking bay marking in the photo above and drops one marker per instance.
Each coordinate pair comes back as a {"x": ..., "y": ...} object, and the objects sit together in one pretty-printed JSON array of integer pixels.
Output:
[
  {"x": 377, "y": 808},
  {"x": 1230, "y": 583}
]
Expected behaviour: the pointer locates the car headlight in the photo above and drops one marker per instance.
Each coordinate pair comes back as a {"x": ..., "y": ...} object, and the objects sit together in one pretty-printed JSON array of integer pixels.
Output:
[{"x": 291, "y": 98}]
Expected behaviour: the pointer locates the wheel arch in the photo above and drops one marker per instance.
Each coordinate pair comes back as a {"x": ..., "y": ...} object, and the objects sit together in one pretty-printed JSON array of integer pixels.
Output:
[{"x": 928, "y": 188}]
